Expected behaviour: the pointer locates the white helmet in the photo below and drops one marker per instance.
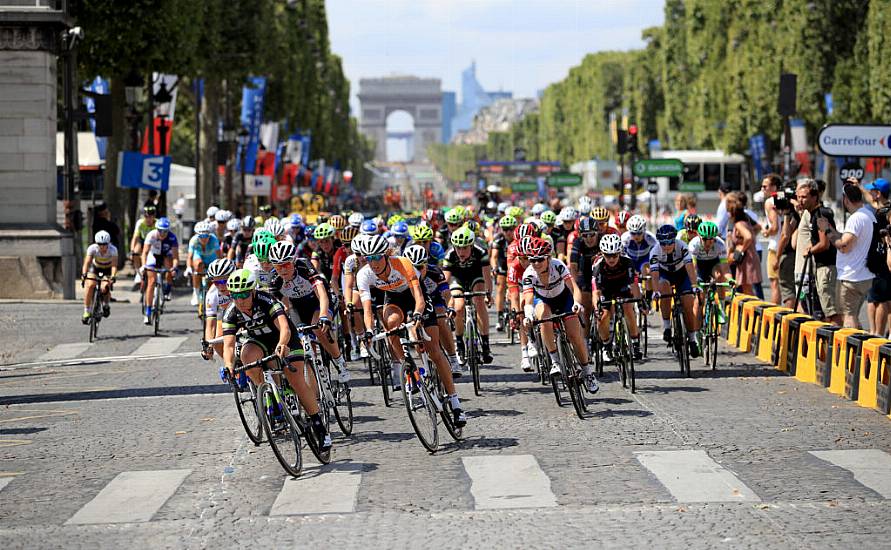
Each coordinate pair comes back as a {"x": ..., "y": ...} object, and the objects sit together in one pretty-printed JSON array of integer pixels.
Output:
[
  {"x": 502, "y": 207},
  {"x": 202, "y": 228},
  {"x": 375, "y": 244},
  {"x": 222, "y": 267},
  {"x": 569, "y": 214},
  {"x": 356, "y": 219},
  {"x": 610, "y": 244},
  {"x": 636, "y": 224},
  {"x": 583, "y": 200},
  {"x": 274, "y": 226},
  {"x": 282, "y": 252},
  {"x": 356, "y": 243},
  {"x": 585, "y": 209},
  {"x": 269, "y": 221},
  {"x": 103, "y": 237},
  {"x": 233, "y": 225},
  {"x": 538, "y": 208},
  {"x": 417, "y": 254},
  {"x": 212, "y": 212}
]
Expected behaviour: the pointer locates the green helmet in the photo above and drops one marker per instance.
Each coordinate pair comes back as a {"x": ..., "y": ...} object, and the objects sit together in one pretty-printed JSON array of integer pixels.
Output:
[
  {"x": 461, "y": 210},
  {"x": 261, "y": 248},
  {"x": 261, "y": 234},
  {"x": 708, "y": 230},
  {"x": 515, "y": 211},
  {"x": 462, "y": 236},
  {"x": 454, "y": 216},
  {"x": 241, "y": 280},
  {"x": 508, "y": 222},
  {"x": 394, "y": 219},
  {"x": 549, "y": 217},
  {"x": 323, "y": 231},
  {"x": 421, "y": 233},
  {"x": 473, "y": 226}
]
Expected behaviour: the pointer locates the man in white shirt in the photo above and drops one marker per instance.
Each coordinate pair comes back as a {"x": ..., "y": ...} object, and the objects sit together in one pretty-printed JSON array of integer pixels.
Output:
[{"x": 855, "y": 279}]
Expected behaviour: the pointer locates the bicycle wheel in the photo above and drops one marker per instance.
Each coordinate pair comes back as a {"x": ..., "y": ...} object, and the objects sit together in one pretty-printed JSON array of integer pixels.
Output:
[
  {"x": 343, "y": 406},
  {"x": 620, "y": 352},
  {"x": 713, "y": 339},
  {"x": 629, "y": 356},
  {"x": 419, "y": 405},
  {"x": 156, "y": 312},
  {"x": 446, "y": 410},
  {"x": 598, "y": 355},
  {"x": 556, "y": 382},
  {"x": 643, "y": 325},
  {"x": 571, "y": 375},
  {"x": 283, "y": 434},
  {"x": 246, "y": 403},
  {"x": 383, "y": 366},
  {"x": 681, "y": 343},
  {"x": 472, "y": 354}
]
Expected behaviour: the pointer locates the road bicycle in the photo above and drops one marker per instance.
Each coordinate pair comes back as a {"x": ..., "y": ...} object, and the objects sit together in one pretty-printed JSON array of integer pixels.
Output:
[
  {"x": 379, "y": 359},
  {"x": 473, "y": 343},
  {"x": 245, "y": 393},
  {"x": 571, "y": 376},
  {"x": 96, "y": 307},
  {"x": 202, "y": 293},
  {"x": 623, "y": 355},
  {"x": 643, "y": 324},
  {"x": 713, "y": 317},
  {"x": 332, "y": 394},
  {"x": 679, "y": 332},
  {"x": 158, "y": 300}
]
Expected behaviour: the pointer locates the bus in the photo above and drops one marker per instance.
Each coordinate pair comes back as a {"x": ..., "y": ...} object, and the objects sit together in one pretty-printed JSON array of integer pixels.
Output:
[{"x": 704, "y": 171}]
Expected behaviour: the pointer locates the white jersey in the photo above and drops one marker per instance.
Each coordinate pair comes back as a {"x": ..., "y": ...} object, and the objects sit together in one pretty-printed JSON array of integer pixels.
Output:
[
  {"x": 100, "y": 260},
  {"x": 638, "y": 251},
  {"x": 670, "y": 263},
  {"x": 263, "y": 277},
  {"x": 215, "y": 302},
  {"x": 699, "y": 253},
  {"x": 558, "y": 275}
]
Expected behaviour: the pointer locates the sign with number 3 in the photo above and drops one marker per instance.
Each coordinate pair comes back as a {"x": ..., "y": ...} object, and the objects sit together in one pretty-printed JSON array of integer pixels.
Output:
[{"x": 143, "y": 171}]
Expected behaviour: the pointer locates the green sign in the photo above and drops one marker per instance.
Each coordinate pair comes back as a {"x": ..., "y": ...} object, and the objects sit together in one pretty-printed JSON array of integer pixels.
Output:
[
  {"x": 654, "y": 168},
  {"x": 564, "y": 179},
  {"x": 691, "y": 186},
  {"x": 524, "y": 187}
]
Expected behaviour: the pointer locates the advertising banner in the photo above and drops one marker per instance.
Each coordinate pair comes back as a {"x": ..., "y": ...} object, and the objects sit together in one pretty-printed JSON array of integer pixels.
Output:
[
  {"x": 140, "y": 171},
  {"x": 850, "y": 140},
  {"x": 251, "y": 119}
]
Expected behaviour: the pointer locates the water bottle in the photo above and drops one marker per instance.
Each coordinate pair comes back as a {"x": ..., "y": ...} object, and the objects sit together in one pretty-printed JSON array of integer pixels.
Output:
[
  {"x": 423, "y": 372},
  {"x": 242, "y": 380},
  {"x": 224, "y": 374}
]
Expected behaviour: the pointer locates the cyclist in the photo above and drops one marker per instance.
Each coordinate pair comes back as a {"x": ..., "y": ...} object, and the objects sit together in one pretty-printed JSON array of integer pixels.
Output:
[
  {"x": 422, "y": 235},
  {"x": 467, "y": 266},
  {"x": 398, "y": 237},
  {"x": 160, "y": 246},
  {"x": 517, "y": 264},
  {"x": 309, "y": 244},
  {"x": 621, "y": 221},
  {"x": 613, "y": 277},
  {"x": 100, "y": 260},
  {"x": 242, "y": 240},
  {"x": 258, "y": 261},
  {"x": 294, "y": 229},
  {"x": 454, "y": 219},
  {"x": 548, "y": 289},
  {"x": 221, "y": 218},
  {"x": 671, "y": 267},
  {"x": 144, "y": 226},
  {"x": 369, "y": 227},
  {"x": 560, "y": 233},
  {"x": 323, "y": 255},
  {"x": 266, "y": 328},
  {"x": 638, "y": 243},
  {"x": 233, "y": 226},
  {"x": 351, "y": 266},
  {"x": 498, "y": 261},
  {"x": 307, "y": 295},
  {"x": 275, "y": 227},
  {"x": 581, "y": 262},
  {"x": 355, "y": 219},
  {"x": 691, "y": 225},
  {"x": 710, "y": 257},
  {"x": 204, "y": 247},
  {"x": 216, "y": 300}
]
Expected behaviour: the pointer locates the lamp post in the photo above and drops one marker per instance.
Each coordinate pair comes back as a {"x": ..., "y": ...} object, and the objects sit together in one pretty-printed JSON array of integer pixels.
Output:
[{"x": 243, "y": 140}]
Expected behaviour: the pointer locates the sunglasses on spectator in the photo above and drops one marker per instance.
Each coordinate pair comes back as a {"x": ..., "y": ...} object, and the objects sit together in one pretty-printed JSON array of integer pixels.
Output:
[
  {"x": 374, "y": 257},
  {"x": 538, "y": 259},
  {"x": 240, "y": 295}
]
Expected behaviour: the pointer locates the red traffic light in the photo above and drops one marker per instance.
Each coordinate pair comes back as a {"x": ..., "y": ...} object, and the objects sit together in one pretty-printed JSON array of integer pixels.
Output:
[{"x": 632, "y": 129}]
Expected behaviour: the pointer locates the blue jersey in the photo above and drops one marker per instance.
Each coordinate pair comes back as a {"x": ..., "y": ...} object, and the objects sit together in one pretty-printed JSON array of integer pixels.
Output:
[{"x": 436, "y": 253}]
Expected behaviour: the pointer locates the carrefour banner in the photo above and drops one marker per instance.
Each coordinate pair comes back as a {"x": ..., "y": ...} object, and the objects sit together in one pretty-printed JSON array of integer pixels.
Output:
[{"x": 251, "y": 119}]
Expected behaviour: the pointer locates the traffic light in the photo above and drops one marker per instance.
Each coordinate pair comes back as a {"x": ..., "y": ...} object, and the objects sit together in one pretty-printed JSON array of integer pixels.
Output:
[
  {"x": 632, "y": 139},
  {"x": 622, "y": 141}
]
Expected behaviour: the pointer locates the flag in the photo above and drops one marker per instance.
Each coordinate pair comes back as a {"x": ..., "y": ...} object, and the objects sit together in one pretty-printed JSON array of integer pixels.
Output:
[
  {"x": 251, "y": 118},
  {"x": 98, "y": 86},
  {"x": 162, "y": 118}
]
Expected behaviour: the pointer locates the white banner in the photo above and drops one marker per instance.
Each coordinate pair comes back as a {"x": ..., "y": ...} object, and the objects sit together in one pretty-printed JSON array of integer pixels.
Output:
[
  {"x": 257, "y": 186},
  {"x": 269, "y": 135},
  {"x": 170, "y": 81},
  {"x": 848, "y": 140}
]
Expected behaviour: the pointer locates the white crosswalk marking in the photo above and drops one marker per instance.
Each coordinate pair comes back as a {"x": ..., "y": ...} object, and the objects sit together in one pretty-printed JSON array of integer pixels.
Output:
[
  {"x": 4, "y": 481},
  {"x": 325, "y": 493},
  {"x": 65, "y": 351},
  {"x": 692, "y": 476},
  {"x": 870, "y": 467},
  {"x": 159, "y": 345},
  {"x": 131, "y": 497},
  {"x": 508, "y": 481}
]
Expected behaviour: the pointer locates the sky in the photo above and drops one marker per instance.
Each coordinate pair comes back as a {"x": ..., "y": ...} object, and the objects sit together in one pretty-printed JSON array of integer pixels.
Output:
[{"x": 518, "y": 45}]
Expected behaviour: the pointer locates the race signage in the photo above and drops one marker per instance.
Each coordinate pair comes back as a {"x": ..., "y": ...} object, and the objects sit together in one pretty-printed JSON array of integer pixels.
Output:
[
  {"x": 257, "y": 186},
  {"x": 849, "y": 140},
  {"x": 139, "y": 171},
  {"x": 654, "y": 168},
  {"x": 524, "y": 187},
  {"x": 851, "y": 170},
  {"x": 564, "y": 179}
]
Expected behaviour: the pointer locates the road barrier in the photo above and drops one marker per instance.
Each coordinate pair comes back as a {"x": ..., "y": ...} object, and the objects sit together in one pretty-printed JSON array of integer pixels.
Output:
[
  {"x": 750, "y": 321},
  {"x": 788, "y": 353},
  {"x": 837, "y": 377},
  {"x": 883, "y": 380},
  {"x": 768, "y": 332},
  {"x": 868, "y": 389},
  {"x": 853, "y": 351},
  {"x": 806, "y": 357},
  {"x": 825, "y": 339},
  {"x": 735, "y": 317}
]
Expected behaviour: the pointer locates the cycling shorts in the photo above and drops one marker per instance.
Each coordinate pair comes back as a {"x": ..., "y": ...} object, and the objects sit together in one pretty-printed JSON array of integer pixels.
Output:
[
  {"x": 267, "y": 346},
  {"x": 100, "y": 271},
  {"x": 584, "y": 283},
  {"x": 678, "y": 280},
  {"x": 459, "y": 284},
  {"x": 305, "y": 308},
  {"x": 639, "y": 263},
  {"x": 705, "y": 268},
  {"x": 561, "y": 303},
  {"x": 403, "y": 300},
  {"x": 428, "y": 318}
]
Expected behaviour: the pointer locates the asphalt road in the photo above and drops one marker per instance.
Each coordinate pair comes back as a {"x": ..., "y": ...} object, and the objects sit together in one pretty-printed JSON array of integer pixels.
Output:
[{"x": 133, "y": 441}]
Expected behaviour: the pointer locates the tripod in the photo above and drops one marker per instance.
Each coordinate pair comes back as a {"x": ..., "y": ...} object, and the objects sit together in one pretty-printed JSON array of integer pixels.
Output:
[{"x": 807, "y": 291}]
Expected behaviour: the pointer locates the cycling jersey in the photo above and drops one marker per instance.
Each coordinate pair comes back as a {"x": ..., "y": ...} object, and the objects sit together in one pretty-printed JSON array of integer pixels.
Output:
[
  {"x": 468, "y": 272},
  {"x": 613, "y": 281},
  {"x": 326, "y": 260},
  {"x": 670, "y": 263},
  {"x": 259, "y": 326},
  {"x": 500, "y": 244},
  {"x": 583, "y": 256},
  {"x": 337, "y": 265},
  {"x": 264, "y": 278},
  {"x": 206, "y": 253},
  {"x": 398, "y": 249},
  {"x": 241, "y": 244},
  {"x": 639, "y": 252},
  {"x": 158, "y": 247},
  {"x": 102, "y": 260},
  {"x": 433, "y": 284},
  {"x": 514, "y": 275},
  {"x": 555, "y": 293},
  {"x": 143, "y": 228},
  {"x": 718, "y": 250},
  {"x": 402, "y": 277},
  {"x": 300, "y": 291},
  {"x": 215, "y": 302}
]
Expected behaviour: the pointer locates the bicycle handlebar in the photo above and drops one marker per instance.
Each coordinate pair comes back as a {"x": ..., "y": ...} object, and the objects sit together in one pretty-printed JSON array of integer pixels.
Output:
[
  {"x": 553, "y": 318},
  {"x": 619, "y": 301},
  {"x": 462, "y": 294}
]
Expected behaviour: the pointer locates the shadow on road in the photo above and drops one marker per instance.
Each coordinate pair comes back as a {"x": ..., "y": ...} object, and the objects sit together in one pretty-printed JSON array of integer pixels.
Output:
[
  {"x": 609, "y": 413},
  {"x": 21, "y": 431}
]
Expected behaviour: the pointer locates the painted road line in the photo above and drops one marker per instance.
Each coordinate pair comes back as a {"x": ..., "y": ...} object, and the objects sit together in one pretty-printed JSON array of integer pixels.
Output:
[
  {"x": 65, "y": 351},
  {"x": 4, "y": 481},
  {"x": 692, "y": 476},
  {"x": 508, "y": 481},
  {"x": 158, "y": 345},
  {"x": 869, "y": 466},
  {"x": 131, "y": 497},
  {"x": 326, "y": 493},
  {"x": 94, "y": 361}
]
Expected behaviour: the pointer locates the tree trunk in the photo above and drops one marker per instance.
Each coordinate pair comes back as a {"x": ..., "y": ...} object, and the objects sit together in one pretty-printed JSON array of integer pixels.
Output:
[
  {"x": 210, "y": 122},
  {"x": 113, "y": 195}
]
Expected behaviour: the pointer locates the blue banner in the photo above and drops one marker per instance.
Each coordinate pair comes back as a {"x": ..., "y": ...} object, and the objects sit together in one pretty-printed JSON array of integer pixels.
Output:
[
  {"x": 305, "y": 142},
  {"x": 758, "y": 148},
  {"x": 99, "y": 86},
  {"x": 139, "y": 171},
  {"x": 251, "y": 117}
]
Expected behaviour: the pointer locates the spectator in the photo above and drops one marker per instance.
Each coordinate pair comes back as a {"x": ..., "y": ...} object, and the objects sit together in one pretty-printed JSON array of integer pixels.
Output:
[
  {"x": 152, "y": 199},
  {"x": 819, "y": 249},
  {"x": 721, "y": 217},
  {"x": 741, "y": 245},
  {"x": 756, "y": 228},
  {"x": 772, "y": 229},
  {"x": 680, "y": 206},
  {"x": 786, "y": 248},
  {"x": 855, "y": 279},
  {"x": 878, "y": 300}
]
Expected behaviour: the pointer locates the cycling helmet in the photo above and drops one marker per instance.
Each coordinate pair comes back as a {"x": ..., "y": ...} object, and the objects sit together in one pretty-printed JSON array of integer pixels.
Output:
[
  {"x": 548, "y": 217},
  {"x": 275, "y": 227},
  {"x": 212, "y": 212},
  {"x": 260, "y": 221},
  {"x": 374, "y": 245},
  {"x": 266, "y": 208},
  {"x": 538, "y": 247},
  {"x": 202, "y": 228},
  {"x": 296, "y": 219},
  {"x": 163, "y": 224},
  {"x": 585, "y": 225},
  {"x": 666, "y": 234},
  {"x": 523, "y": 246},
  {"x": 233, "y": 225},
  {"x": 473, "y": 226},
  {"x": 453, "y": 216},
  {"x": 399, "y": 229},
  {"x": 149, "y": 210},
  {"x": 262, "y": 247},
  {"x": 270, "y": 221},
  {"x": 600, "y": 214},
  {"x": 369, "y": 227},
  {"x": 538, "y": 208},
  {"x": 282, "y": 252},
  {"x": 637, "y": 224},
  {"x": 502, "y": 207},
  {"x": 323, "y": 231},
  {"x": 102, "y": 237},
  {"x": 611, "y": 244},
  {"x": 356, "y": 244},
  {"x": 356, "y": 219},
  {"x": 261, "y": 234},
  {"x": 569, "y": 214},
  {"x": 417, "y": 255},
  {"x": 337, "y": 221},
  {"x": 421, "y": 233},
  {"x": 708, "y": 230},
  {"x": 222, "y": 216},
  {"x": 691, "y": 222},
  {"x": 539, "y": 224},
  {"x": 584, "y": 208},
  {"x": 310, "y": 231},
  {"x": 515, "y": 211},
  {"x": 508, "y": 222},
  {"x": 348, "y": 233},
  {"x": 242, "y": 280},
  {"x": 622, "y": 217},
  {"x": 526, "y": 230},
  {"x": 248, "y": 222},
  {"x": 585, "y": 200},
  {"x": 462, "y": 236},
  {"x": 462, "y": 210},
  {"x": 222, "y": 267}
]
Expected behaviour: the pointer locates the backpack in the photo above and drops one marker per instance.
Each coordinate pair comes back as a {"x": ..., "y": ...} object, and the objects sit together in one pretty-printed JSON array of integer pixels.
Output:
[{"x": 875, "y": 257}]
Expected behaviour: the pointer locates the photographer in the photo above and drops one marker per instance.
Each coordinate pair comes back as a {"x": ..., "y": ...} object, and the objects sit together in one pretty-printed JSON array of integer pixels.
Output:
[
  {"x": 878, "y": 300},
  {"x": 785, "y": 204},
  {"x": 823, "y": 254},
  {"x": 772, "y": 230}
]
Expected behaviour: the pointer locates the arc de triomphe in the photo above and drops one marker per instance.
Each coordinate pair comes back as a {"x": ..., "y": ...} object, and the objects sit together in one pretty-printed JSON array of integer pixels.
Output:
[{"x": 419, "y": 97}]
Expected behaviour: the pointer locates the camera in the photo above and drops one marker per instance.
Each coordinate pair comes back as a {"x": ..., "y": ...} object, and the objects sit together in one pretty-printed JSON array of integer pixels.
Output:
[{"x": 782, "y": 199}]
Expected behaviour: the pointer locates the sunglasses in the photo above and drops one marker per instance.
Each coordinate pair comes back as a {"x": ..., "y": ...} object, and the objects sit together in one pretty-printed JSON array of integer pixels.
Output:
[
  {"x": 204, "y": 235},
  {"x": 374, "y": 257},
  {"x": 666, "y": 243},
  {"x": 610, "y": 256},
  {"x": 538, "y": 259},
  {"x": 240, "y": 295},
  {"x": 586, "y": 235},
  {"x": 221, "y": 282}
]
